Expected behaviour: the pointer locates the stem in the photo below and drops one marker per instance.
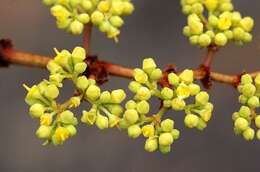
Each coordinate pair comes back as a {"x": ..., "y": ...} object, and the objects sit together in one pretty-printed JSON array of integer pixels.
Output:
[
  {"x": 209, "y": 57},
  {"x": 12, "y": 56},
  {"x": 87, "y": 37}
]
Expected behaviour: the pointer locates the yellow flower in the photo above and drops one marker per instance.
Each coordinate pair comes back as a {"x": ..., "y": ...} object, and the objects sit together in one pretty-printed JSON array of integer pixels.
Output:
[
  {"x": 61, "y": 134},
  {"x": 46, "y": 119},
  {"x": 183, "y": 91},
  {"x": 224, "y": 23},
  {"x": 211, "y": 4},
  {"x": 148, "y": 130}
]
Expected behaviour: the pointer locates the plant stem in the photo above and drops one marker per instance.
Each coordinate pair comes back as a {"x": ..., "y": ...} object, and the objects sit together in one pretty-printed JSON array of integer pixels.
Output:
[
  {"x": 87, "y": 37},
  {"x": 12, "y": 56}
]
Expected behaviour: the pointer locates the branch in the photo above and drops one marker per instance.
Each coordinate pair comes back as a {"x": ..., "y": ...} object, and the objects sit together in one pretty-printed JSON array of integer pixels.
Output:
[
  {"x": 87, "y": 37},
  {"x": 8, "y": 55}
]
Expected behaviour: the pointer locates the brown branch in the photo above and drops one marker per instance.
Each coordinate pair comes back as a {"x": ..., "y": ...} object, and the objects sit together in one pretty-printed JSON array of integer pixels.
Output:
[
  {"x": 11, "y": 56},
  {"x": 87, "y": 37}
]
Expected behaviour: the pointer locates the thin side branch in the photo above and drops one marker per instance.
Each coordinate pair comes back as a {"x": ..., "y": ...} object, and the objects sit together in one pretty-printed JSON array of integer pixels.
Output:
[
  {"x": 87, "y": 37},
  {"x": 11, "y": 56}
]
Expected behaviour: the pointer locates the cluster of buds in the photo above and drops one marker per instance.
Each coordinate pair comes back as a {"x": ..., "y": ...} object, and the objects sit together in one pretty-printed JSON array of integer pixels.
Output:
[
  {"x": 160, "y": 133},
  {"x": 72, "y": 15},
  {"x": 57, "y": 122},
  {"x": 247, "y": 115},
  {"x": 222, "y": 23}
]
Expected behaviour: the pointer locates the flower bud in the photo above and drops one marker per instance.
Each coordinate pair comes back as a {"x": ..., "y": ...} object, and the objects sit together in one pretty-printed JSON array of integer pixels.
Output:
[
  {"x": 46, "y": 119},
  {"x": 257, "y": 81},
  {"x": 56, "y": 79},
  {"x": 151, "y": 145},
  {"x": 249, "y": 134},
  {"x": 165, "y": 149},
  {"x": 93, "y": 92},
  {"x": 134, "y": 86},
  {"x": 186, "y": 76},
  {"x": 224, "y": 23},
  {"x": 241, "y": 124},
  {"x": 143, "y": 93},
  {"x": 156, "y": 74},
  {"x": 37, "y": 110},
  {"x": 220, "y": 39},
  {"x": 115, "y": 109},
  {"x": 116, "y": 21},
  {"x": 178, "y": 104},
  {"x": 134, "y": 131},
  {"x": 72, "y": 130},
  {"x": 43, "y": 132},
  {"x": 80, "y": 68},
  {"x": 67, "y": 117},
  {"x": 117, "y": 96},
  {"x": 51, "y": 92},
  {"x": 194, "y": 89},
  {"x": 83, "y": 18},
  {"x": 76, "y": 27},
  {"x": 123, "y": 124},
  {"x": 117, "y": 8},
  {"x": 206, "y": 115},
  {"x": 247, "y": 24},
  {"x": 175, "y": 134},
  {"x": 78, "y": 55},
  {"x": 128, "y": 8},
  {"x": 257, "y": 121},
  {"x": 87, "y": 4},
  {"x": 97, "y": 17},
  {"x": 167, "y": 103},
  {"x": 82, "y": 83},
  {"x": 148, "y": 130},
  {"x": 167, "y": 93},
  {"x": 102, "y": 122},
  {"x": 211, "y": 5},
  {"x": 48, "y": 2},
  {"x": 213, "y": 20},
  {"x": 149, "y": 65},
  {"x": 130, "y": 104},
  {"x": 131, "y": 116},
  {"x": 165, "y": 139},
  {"x": 53, "y": 67},
  {"x": 202, "y": 98},
  {"x": 173, "y": 79},
  {"x": 140, "y": 76},
  {"x": 103, "y": 6},
  {"x": 143, "y": 107},
  {"x": 258, "y": 134},
  {"x": 248, "y": 90},
  {"x": 167, "y": 125},
  {"x": 204, "y": 40},
  {"x": 243, "y": 99},
  {"x": 253, "y": 102},
  {"x": 191, "y": 120},
  {"x": 201, "y": 125},
  {"x": 105, "y": 97}
]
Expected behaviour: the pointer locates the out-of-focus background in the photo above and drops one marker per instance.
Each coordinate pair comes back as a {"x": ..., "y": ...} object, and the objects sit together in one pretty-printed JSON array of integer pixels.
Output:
[{"x": 153, "y": 30}]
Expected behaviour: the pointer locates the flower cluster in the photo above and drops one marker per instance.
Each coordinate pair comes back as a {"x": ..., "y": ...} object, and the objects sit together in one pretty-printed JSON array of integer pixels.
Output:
[
  {"x": 57, "y": 122},
  {"x": 161, "y": 133},
  {"x": 72, "y": 15},
  {"x": 222, "y": 23},
  {"x": 249, "y": 98}
]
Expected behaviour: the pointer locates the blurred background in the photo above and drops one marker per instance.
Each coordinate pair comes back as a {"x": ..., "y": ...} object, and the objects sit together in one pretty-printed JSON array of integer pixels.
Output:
[{"x": 153, "y": 30}]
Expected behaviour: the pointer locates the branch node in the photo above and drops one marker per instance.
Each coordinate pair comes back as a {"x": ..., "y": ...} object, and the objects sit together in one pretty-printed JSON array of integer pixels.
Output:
[
  {"x": 164, "y": 80},
  {"x": 96, "y": 70},
  {"x": 5, "y": 45},
  {"x": 206, "y": 79}
]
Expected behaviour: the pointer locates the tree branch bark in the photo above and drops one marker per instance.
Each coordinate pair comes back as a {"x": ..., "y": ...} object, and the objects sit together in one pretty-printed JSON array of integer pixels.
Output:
[{"x": 16, "y": 57}]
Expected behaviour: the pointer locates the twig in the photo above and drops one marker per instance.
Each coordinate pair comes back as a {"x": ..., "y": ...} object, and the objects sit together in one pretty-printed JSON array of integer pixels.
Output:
[
  {"x": 87, "y": 37},
  {"x": 11, "y": 56}
]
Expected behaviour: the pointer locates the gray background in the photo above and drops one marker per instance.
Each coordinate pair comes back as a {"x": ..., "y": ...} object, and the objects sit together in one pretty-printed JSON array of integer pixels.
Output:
[{"x": 153, "y": 30}]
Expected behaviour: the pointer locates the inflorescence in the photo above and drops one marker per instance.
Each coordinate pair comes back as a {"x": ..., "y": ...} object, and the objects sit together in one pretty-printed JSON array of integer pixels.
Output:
[
  {"x": 107, "y": 15},
  {"x": 214, "y": 22},
  {"x": 58, "y": 122},
  {"x": 247, "y": 115}
]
